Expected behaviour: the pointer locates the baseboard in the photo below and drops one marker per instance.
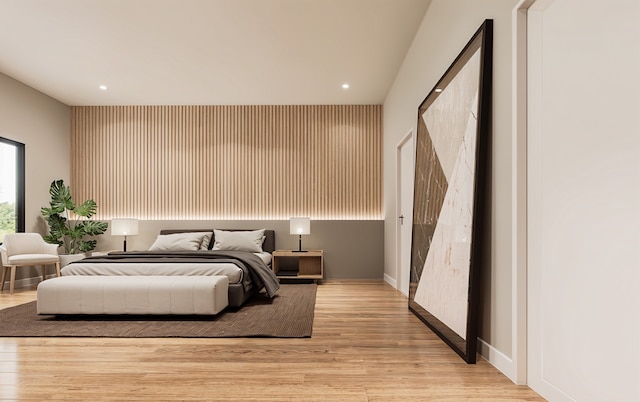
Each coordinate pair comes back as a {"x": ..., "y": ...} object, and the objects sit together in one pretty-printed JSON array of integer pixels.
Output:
[
  {"x": 27, "y": 282},
  {"x": 390, "y": 281},
  {"x": 497, "y": 359}
]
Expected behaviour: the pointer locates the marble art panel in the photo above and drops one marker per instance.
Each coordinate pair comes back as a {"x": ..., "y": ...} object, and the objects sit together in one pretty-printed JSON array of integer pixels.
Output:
[
  {"x": 430, "y": 188},
  {"x": 441, "y": 130},
  {"x": 446, "y": 117},
  {"x": 444, "y": 283},
  {"x": 453, "y": 130}
]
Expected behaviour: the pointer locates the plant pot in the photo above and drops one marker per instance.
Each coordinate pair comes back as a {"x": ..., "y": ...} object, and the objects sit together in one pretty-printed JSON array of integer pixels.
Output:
[{"x": 66, "y": 259}]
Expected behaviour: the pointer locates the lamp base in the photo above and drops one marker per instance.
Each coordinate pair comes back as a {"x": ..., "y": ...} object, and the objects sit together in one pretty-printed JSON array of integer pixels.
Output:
[{"x": 299, "y": 250}]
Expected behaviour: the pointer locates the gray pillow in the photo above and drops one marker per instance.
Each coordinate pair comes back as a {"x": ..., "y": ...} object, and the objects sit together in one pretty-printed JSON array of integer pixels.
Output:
[
  {"x": 191, "y": 241},
  {"x": 249, "y": 241}
]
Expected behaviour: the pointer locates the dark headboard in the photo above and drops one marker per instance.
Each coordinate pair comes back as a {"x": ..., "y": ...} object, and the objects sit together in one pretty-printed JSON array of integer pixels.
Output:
[{"x": 269, "y": 244}]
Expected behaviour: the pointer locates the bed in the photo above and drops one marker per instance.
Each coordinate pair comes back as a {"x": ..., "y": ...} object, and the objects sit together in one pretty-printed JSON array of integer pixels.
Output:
[{"x": 244, "y": 256}]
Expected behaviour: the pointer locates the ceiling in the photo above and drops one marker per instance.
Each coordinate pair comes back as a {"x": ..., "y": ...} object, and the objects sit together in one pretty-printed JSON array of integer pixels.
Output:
[{"x": 208, "y": 52}]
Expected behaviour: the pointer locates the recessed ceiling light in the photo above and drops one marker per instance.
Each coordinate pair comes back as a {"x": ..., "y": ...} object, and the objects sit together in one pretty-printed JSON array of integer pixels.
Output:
[
  {"x": 103, "y": 87},
  {"x": 345, "y": 86}
]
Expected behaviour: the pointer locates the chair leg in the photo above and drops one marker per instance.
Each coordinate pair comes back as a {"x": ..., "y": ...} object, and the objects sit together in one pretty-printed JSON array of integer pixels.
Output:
[
  {"x": 44, "y": 272},
  {"x": 4, "y": 276},
  {"x": 58, "y": 268},
  {"x": 12, "y": 283}
]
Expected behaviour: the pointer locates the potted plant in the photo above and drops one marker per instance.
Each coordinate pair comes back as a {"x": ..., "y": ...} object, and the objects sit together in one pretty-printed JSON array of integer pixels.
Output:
[{"x": 65, "y": 232}]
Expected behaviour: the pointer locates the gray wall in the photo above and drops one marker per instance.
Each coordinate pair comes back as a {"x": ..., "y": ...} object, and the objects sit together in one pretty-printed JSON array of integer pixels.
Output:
[
  {"x": 42, "y": 124},
  {"x": 352, "y": 249}
]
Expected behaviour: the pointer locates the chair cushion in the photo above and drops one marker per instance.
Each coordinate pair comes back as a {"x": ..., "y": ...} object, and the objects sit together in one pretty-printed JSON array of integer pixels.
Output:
[{"x": 32, "y": 259}]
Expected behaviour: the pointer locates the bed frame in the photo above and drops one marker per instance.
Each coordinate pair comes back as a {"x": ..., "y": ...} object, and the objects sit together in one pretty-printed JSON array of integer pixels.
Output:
[{"x": 237, "y": 293}]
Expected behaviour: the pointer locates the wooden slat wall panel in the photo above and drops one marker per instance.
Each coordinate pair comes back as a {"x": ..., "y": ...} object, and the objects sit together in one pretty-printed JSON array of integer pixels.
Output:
[{"x": 229, "y": 162}]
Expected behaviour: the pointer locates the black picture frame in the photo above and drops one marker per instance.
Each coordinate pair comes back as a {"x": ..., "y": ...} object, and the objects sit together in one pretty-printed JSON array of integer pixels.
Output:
[{"x": 453, "y": 134}]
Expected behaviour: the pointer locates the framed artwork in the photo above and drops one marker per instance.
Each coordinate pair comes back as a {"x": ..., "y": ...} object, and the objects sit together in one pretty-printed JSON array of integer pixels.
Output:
[{"x": 454, "y": 123}]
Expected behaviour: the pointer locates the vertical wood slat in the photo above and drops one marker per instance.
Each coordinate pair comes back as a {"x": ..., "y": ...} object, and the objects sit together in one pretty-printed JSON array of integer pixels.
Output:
[{"x": 229, "y": 162}]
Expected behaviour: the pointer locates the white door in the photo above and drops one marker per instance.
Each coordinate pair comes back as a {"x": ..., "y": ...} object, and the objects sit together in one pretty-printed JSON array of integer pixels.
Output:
[
  {"x": 405, "y": 156},
  {"x": 584, "y": 200}
]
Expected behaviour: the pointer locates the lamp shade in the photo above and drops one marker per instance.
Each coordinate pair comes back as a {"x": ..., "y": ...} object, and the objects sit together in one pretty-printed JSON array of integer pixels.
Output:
[
  {"x": 300, "y": 226},
  {"x": 124, "y": 227}
]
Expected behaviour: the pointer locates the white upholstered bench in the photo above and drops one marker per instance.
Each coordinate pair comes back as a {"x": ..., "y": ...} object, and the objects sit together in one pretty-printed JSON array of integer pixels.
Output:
[{"x": 79, "y": 294}]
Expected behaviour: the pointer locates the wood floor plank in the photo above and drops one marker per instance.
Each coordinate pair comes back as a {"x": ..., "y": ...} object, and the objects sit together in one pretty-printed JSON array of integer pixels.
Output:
[{"x": 366, "y": 346}]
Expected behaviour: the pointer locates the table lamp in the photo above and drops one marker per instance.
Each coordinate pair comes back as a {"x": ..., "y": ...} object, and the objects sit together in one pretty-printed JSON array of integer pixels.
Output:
[
  {"x": 300, "y": 226},
  {"x": 124, "y": 227}
]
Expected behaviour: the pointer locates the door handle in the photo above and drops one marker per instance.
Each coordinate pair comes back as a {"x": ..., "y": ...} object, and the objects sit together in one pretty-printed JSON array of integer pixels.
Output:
[{"x": 401, "y": 217}]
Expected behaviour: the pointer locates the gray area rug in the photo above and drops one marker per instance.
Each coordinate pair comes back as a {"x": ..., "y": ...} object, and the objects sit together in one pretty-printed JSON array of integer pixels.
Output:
[{"x": 288, "y": 315}]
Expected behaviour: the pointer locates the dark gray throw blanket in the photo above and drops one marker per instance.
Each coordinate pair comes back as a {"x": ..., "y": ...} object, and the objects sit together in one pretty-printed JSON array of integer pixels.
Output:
[{"x": 260, "y": 273}]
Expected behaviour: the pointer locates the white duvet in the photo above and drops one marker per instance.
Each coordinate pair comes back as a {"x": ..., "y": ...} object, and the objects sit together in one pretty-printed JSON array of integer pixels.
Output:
[{"x": 232, "y": 271}]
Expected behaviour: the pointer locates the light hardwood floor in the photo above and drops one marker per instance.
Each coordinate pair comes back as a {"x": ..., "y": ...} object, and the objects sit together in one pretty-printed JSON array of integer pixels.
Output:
[{"x": 366, "y": 346}]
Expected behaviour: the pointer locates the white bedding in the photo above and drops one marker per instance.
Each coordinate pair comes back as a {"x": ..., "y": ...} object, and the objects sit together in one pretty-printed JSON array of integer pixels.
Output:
[
  {"x": 264, "y": 256},
  {"x": 232, "y": 271}
]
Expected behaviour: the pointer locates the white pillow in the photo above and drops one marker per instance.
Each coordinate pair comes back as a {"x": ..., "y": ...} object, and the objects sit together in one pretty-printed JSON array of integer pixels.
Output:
[
  {"x": 191, "y": 241},
  {"x": 250, "y": 241}
]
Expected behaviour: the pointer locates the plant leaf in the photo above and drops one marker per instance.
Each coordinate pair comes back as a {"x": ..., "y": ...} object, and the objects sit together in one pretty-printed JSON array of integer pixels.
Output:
[
  {"x": 60, "y": 197},
  {"x": 51, "y": 239},
  {"x": 94, "y": 228},
  {"x": 76, "y": 232},
  {"x": 69, "y": 233},
  {"x": 46, "y": 212},
  {"x": 57, "y": 225},
  {"x": 87, "y": 209},
  {"x": 87, "y": 245}
]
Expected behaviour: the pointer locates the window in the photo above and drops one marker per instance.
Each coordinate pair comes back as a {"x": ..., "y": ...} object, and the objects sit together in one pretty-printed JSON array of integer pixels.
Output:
[{"x": 11, "y": 187}]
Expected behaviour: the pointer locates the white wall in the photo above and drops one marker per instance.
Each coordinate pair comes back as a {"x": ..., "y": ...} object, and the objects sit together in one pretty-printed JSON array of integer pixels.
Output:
[
  {"x": 447, "y": 27},
  {"x": 584, "y": 200},
  {"x": 42, "y": 124}
]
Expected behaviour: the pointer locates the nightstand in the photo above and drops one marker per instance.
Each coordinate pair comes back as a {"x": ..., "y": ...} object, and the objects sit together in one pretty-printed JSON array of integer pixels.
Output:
[{"x": 287, "y": 264}]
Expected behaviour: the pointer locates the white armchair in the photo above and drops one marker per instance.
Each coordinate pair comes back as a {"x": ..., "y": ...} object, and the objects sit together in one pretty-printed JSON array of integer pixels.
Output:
[{"x": 26, "y": 249}]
